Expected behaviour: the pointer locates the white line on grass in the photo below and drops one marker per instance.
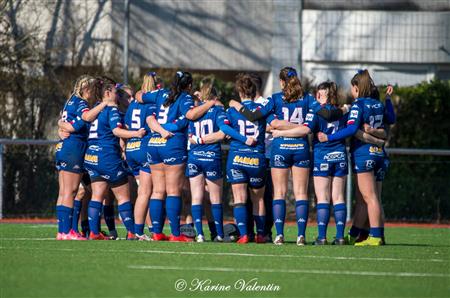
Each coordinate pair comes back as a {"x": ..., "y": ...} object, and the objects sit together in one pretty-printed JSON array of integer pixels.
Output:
[
  {"x": 263, "y": 270},
  {"x": 233, "y": 254}
]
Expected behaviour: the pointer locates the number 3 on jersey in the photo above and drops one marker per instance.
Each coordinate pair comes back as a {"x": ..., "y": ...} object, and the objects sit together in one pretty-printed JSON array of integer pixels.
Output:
[
  {"x": 162, "y": 115},
  {"x": 93, "y": 130},
  {"x": 248, "y": 129}
]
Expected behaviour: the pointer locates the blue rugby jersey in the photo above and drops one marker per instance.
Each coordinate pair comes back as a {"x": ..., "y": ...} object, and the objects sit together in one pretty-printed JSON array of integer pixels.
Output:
[
  {"x": 101, "y": 130},
  {"x": 209, "y": 123},
  {"x": 72, "y": 111},
  {"x": 247, "y": 128},
  {"x": 319, "y": 124}
]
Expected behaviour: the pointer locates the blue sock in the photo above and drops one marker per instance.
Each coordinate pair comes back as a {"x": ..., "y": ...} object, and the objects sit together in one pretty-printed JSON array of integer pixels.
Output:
[
  {"x": 279, "y": 215},
  {"x": 301, "y": 212},
  {"x": 94, "y": 211},
  {"x": 382, "y": 232},
  {"x": 217, "y": 212},
  {"x": 173, "y": 209},
  {"x": 76, "y": 214},
  {"x": 59, "y": 218},
  {"x": 109, "y": 216},
  {"x": 323, "y": 217},
  {"x": 85, "y": 227},
  {"x": 150, "y": 229},
  {"x": 156, "y": 215},
  {"x": 260, "y": 222},
  {"x": 66, "y": 213},
  {"x": 340, "y": 217},
  {"x": 126, "y": 214},
  {"x": 354, "y": 231},
  {"x": 139, "y": 228},
  {"x": 240, "y": 215},
  {"x": 375, "y": 232},
  {"x": 197, "y": 218}
]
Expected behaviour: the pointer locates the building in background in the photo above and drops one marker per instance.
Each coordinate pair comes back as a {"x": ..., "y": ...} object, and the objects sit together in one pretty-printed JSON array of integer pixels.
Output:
[{"x": 400, "y": 42}]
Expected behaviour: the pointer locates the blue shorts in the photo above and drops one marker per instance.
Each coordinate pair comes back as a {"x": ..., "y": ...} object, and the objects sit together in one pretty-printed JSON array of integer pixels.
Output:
[
  {"x": 381, "y": 173},
  {"x": 330, "y": 164},
  {"x": 246, "y": 167},
  {"x": 367, "y": 163},
  {"x": 70, "y": 155},
  {"x": 285, "y": 155},
  {"x": 105, "y": 164},
  {"x": 210, "y": 168},
  {"x": 165, "y": 151},
  {"x": 330, "y": 169},
  {"x": 136, "y": 153}
]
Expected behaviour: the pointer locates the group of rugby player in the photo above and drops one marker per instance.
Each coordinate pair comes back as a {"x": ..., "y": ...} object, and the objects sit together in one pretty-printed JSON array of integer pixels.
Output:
[{"x": 167, "y": 141}]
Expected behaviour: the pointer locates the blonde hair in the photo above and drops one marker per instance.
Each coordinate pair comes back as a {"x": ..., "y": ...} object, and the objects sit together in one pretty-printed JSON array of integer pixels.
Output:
[
  {"x": 149, "y": 82},
  {"x": 207, "y": 89},
  {"x": 82, "y": 82}
]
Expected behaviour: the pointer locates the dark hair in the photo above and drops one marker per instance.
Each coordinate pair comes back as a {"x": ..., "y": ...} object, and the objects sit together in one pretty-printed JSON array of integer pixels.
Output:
[
  {"x": 364, "y": 82},
  {"x": 374, "y": 93},
  {"x": 257, "y": 80},
  {"x": 102, "y": 84},
  {"x": 245, "y": 85},
  {"x": 331, "y": 88},
  {"x": 292, "y": 86},
  {"x": 181, "y": 82}
]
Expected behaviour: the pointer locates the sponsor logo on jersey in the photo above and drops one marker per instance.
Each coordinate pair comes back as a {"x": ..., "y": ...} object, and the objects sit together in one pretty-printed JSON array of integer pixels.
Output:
[
  {"x": 157, "y": 141},
  {"x": 58, "y": 146},
  {"x": 107, "y": 177},
  {"x": 309, "y": 117},
  {"x": 334, "y": 156},
  {"x": 324, "y": 167},
  {"x": 298, "y": 146},
  {"x": 169, "y": 159},
  {"x": 343, "y": 165},
  {"x": 247, "y": 161},
  {"x": 91, "y": 159},
  {"x": 353, "y": 114},
  {"x": 133, "y": 145},
  {"x": 95, "y": 148}
]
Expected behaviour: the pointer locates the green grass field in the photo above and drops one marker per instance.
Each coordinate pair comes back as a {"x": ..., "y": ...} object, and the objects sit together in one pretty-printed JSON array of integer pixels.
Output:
[{"x": 415, "y": 263}]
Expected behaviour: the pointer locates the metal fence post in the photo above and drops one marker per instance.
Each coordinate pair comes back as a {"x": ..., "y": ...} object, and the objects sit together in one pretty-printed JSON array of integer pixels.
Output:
[
  {"x": 349, "y": 187},
  {"x": 1, "y": 180}
]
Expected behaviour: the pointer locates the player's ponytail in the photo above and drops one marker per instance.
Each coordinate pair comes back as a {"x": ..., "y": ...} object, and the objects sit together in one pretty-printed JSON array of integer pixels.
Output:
[
  {"x": 245, "y": 86},
  {"x": 149, "y": 82},
  {"x": 102, "y": 84},
  {"x": 364, "y": 82},
  {"x": 207, "y": 89},
  {"x": 292, "y": 89},
  {"x": 182, "y": 82}
]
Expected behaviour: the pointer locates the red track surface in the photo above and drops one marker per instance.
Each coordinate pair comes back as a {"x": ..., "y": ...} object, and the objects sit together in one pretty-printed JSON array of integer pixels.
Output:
[{"x": 388, "y": 224}]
